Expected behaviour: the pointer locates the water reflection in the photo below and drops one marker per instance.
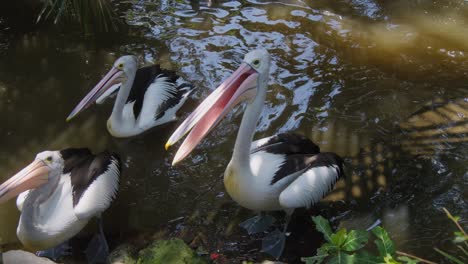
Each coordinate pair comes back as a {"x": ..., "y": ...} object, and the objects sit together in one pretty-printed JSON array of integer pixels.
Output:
[
  {"x": 354, "y": 76},
  {"x": 346, "y": 73}
]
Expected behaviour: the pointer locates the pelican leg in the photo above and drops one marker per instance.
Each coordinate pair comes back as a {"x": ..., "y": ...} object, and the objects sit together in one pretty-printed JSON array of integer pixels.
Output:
[
  {"x": 98, "y": 249},
  {"x": 258, "y": 223},
  {"x": 56, "y": 252},
  {"x": 274, "y": 242}
]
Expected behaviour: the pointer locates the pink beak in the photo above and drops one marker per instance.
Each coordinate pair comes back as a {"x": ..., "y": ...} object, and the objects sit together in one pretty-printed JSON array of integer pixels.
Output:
[
  {"x": 240, "y": 86},
  {"x": 111, "y": 78},
  {"x": 33, "y": 176}
]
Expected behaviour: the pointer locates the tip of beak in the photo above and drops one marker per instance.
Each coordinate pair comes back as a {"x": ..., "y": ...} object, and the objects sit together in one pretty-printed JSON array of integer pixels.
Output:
[
  {"x": 69, "y": 117},
  {"x": 176, "y": 160},
  {"x": 167, "y": 146}
]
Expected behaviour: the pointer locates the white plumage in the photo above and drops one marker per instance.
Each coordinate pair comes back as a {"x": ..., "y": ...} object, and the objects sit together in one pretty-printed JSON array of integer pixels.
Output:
[
  {"x": 146, "y": 97},
  {"x": 99, "y": 195},
  {"x": 281, "y": 172},
  {"x": 51, "y": 222},
  {"x": 78, "y": 186},
  {"x": 310, "y": 187}
]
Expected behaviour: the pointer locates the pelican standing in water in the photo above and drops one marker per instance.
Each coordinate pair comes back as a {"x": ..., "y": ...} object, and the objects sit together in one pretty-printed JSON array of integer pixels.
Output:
[
  {"x": 281, "y": 172},
  {"x": 58, "y": 193},
  {"x": 146, "y": 97}
]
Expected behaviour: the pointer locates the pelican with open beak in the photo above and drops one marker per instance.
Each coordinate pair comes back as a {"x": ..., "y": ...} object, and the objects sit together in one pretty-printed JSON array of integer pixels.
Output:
[
  {"x": 281, "y": 172},
  {"x": 58, "y": 193},
  {"x": 146, "y": 97}
]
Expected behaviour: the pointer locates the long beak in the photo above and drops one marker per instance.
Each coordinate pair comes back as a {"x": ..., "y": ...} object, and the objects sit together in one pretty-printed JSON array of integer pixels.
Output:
[
  {"x": 33, "y": 176},
  {"x": 111, "y": 78},
  {"x": 240, "y": 86}
]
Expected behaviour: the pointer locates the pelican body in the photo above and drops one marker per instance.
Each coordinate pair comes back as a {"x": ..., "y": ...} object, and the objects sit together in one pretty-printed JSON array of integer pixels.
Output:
[
  {"x": 281, "y": 172},
  {"x": 146, "y": 97},
  {"x": 59, "y": 192}
]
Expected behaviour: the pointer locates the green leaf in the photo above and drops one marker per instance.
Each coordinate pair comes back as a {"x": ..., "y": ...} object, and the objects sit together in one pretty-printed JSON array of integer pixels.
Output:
[
  {"x": 322, "y": 225},
  {"x": 343, "y": 258},
  {"x": 365, "y": 258},
  {"x": 460, "y": 237},
  {"x": 322, "y": 253},
  {"x": 328, "y": 248},
  {"x": 355, "y": 240},
  {"x": 314, "y": 259},
  {"x": 390, "y": 260},
  {"x": 407, "y": 260},
  {"x": 339, "y": 237},
  {"x": 384, "y": 243}
]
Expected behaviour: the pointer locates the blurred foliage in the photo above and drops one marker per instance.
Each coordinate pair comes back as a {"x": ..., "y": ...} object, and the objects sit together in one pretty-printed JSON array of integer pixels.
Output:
[
  {"x": 460, "y": 242},
  {"x": 91, "y": 15},
  {"x": 348, "y": 247},
  {"x": 169, "y": 251}
]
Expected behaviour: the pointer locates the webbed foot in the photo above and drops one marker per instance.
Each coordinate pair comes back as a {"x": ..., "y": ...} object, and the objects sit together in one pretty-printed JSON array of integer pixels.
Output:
[
  {"x": 257, "y": 223},
  {"x": 56, "y": 252},
  {"x": 273, "y": 243}
]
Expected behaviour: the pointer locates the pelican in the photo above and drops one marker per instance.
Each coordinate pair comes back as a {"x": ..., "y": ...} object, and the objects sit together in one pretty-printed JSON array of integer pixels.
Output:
[
  {"x": 58, "y": 193},
  {"x": 281, "y": 172},
  {"x": 146, "y": 97}
]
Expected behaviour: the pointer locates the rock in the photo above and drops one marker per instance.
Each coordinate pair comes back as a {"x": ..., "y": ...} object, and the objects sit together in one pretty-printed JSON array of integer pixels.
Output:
[
  {"x": 173, "y": 251},
  {"x": 123, "y": 254},
  {"x": 23, "y": 257}
]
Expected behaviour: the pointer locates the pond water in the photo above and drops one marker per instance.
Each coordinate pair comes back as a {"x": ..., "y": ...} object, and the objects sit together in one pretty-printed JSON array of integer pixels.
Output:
[{"x": 382, "y": 83}]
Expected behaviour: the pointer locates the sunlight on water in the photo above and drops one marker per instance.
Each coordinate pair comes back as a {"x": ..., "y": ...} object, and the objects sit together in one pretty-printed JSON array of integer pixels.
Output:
[{"x": 382, "y": 83}]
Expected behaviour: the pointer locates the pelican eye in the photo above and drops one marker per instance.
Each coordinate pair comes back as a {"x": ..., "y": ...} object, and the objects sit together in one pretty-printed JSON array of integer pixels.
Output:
[
  {"x": 49, "y": 159},
  {"x": 256, "y": 63},
  {"x": 120, "y": 66}
]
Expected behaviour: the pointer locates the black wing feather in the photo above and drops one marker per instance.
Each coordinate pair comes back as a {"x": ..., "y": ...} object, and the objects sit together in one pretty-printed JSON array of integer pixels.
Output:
[
  {"x": 85, "y": 167},
  {"x": 295, "y": 163},
  {"x": 299, "y": 153},
  {"x": 144, "y": 77},
  {"x": 288, "y": 144}
]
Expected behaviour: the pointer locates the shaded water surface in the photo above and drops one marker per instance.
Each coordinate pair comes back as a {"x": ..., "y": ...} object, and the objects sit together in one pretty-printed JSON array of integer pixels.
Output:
[{"x": 382, "y": 83}]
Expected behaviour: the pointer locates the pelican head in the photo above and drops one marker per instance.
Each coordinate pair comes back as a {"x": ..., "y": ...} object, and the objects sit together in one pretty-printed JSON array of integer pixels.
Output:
[
  {"x": 242, "y": 85},
  {"x": 46, "y": 166},
  {"x": 123, "y": 68}
]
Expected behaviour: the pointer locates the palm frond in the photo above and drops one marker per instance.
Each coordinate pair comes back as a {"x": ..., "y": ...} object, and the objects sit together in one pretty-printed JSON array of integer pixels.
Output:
[{"x": 89, "y": 14}]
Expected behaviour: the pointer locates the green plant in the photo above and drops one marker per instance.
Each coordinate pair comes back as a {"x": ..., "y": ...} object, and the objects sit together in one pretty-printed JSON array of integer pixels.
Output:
[
  {"x": 348, "y": 247},
  {"x": 460, "y": 240},
  {"x": 90, "y": 14}
]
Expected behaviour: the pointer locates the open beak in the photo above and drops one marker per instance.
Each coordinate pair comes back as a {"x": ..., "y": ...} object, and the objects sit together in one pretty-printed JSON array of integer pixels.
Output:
[
  {"x": 33, "y": 176},
  {"x": 240, "y": 86},
  {"x": 111, "y": 78}
]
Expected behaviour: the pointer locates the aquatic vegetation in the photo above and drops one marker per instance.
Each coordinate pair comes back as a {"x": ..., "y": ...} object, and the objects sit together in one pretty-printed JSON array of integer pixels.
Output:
[
  {"x": 160, "y": 251},
  {"x": 92, "y": 15},
  {"x": 169, "y": 251},
  {"x": 348, "y": 247},
  {"x": 460, "y": 240}
]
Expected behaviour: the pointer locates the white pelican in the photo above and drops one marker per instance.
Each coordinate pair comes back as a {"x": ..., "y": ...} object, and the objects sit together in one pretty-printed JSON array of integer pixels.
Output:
[
  {"x": 146, "y": 97},
  {"x": 58, "y": 193},
  {"x": 281, "y": 172}
]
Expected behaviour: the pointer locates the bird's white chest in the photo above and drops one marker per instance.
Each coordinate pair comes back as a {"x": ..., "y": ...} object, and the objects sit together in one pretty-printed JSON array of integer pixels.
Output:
[
  {"x": 47, "y": 224},
  {"x": 126, "y": 125},
  {"x": 251, "y": 187}
]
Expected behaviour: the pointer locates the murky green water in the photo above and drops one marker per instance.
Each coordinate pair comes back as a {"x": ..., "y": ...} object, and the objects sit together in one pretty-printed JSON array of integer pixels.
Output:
[{"x": 382, "y": 83}]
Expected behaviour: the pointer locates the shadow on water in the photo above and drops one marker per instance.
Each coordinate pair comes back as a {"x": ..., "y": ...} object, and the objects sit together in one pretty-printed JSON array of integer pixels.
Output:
[{"x": 382, "y": 83}]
